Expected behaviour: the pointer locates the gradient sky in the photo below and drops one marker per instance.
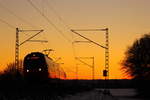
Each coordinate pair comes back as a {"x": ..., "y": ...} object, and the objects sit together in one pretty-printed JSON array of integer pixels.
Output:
[{"x": 126, "y": 19}]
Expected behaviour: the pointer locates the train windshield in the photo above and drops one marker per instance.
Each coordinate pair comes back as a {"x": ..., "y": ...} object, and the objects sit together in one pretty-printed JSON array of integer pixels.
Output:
[{"x": 32, "y": 62}]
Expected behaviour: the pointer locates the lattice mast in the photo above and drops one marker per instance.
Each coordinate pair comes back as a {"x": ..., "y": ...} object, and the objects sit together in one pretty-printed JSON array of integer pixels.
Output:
[
  {"x": 107, "y": 55},
  {"x": 17, "y": 49},
  {"x": 106, "y": 47},
  {"x": 18, "y": 44}
]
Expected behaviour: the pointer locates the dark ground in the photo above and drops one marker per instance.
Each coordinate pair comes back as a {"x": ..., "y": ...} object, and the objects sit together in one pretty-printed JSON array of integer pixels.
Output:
[{"x": 54, "y": 89}]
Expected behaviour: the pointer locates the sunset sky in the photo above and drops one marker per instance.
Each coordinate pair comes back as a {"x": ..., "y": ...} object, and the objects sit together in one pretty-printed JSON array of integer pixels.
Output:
[{"x": 127, "y": 20}]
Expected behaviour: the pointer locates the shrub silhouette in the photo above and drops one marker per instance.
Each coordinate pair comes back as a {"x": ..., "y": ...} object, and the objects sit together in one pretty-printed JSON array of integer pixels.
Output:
[{"x": 11, "y": 73}]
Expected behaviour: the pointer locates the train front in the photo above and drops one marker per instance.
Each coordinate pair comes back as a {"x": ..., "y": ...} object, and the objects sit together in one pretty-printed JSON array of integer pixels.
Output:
[{"x": 35, "y": 66}]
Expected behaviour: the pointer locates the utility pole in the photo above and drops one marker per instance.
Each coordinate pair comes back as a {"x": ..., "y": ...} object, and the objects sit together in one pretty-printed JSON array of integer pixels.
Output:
[
  {"x": 107, "y": 55},
  {"x": 79, "y": 58},
  {"x": 18, "y": 44},
  {"x": 106, "y": 47},
  {"x": 17, "y": 49}
]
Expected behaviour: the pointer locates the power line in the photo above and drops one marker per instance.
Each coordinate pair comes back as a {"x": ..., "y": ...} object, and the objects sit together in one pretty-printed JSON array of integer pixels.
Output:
[
  {"x": 106, "y": 47},
  {"x": 64, "y": 23},
  {"x": 3, "y": 21},
  {"x": 49, "y": 21},
  {"x": 58, "y": 15},
  {"x": 15, "y": 15},
  {"x": 74, "y": 31}
]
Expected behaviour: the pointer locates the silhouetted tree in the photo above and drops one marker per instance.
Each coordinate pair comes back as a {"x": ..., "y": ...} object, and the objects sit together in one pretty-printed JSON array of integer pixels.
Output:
[
  {"x": 137, "y": 60},
  {"x": 137, "y": 64}
]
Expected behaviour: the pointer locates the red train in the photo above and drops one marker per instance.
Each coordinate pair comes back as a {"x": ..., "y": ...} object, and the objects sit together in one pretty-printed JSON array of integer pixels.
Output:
[{"x": 39, "y": 66}]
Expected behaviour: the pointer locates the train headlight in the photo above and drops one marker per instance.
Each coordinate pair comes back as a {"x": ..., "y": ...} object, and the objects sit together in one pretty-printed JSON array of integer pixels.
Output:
[
  {"x": 40, "y": 69},
  {"x": 27, "y": 70}
]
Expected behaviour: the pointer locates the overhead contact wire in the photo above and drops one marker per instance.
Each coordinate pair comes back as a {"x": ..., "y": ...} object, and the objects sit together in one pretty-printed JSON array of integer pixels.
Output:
[
  {"x": 49, "y": 21},
  {"x": 67, "y": 26},
  {"x": 15, "y": 15},
  {"x": 59, "y": 17},
  {"x": 3, "y": 21}
]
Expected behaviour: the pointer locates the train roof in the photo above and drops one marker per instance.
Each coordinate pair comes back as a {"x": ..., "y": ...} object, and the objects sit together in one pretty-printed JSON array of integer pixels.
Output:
[{"x": 39, "y": 54}]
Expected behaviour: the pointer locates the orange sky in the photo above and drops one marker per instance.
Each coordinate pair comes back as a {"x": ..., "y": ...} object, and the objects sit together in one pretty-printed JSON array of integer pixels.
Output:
[{"x": 126, "y": 19}]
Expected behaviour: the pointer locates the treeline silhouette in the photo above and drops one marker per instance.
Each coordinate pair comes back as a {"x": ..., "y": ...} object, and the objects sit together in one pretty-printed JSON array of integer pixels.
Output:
[{"x": 137, "y": 64}]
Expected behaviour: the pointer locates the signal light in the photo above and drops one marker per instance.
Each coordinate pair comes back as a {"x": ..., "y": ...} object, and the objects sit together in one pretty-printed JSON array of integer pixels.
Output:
[
  {"x": 40, "y": 69},
  {"x": 27, "y": 70}
]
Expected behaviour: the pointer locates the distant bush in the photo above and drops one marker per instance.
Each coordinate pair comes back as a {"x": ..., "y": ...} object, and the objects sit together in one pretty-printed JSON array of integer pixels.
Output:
[{"x": 11, "y": 72}]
